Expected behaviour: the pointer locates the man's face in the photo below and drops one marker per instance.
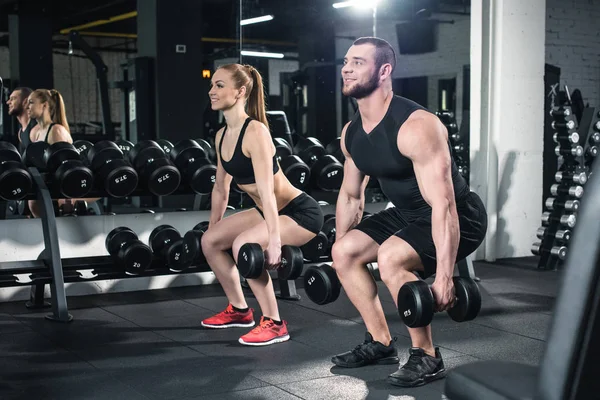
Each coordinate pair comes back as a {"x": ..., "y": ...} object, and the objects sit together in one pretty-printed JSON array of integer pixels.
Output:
[
  {"x": 360, "y": 74},
  {"x": 16, "y": 104}
]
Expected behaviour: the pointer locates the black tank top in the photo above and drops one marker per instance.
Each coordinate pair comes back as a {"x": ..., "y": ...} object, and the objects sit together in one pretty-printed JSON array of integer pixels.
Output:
[
  {"x": 24, "y": 135},
  {"x": 376, "y": 154},
  {"x": 240, "y": 166}
]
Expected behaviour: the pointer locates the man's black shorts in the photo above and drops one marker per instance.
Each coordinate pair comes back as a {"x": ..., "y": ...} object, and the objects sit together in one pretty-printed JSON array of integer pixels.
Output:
[
  {"x": 305, "y": 210},
  {"x": 472, "y": 219}
]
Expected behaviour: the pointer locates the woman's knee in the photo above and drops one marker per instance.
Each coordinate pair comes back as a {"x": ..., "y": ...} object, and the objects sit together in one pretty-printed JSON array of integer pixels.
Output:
[{"x": 212, "y": 241}]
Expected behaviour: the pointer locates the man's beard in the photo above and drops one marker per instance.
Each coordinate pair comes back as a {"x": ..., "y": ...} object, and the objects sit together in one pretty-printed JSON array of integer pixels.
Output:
[{"x": 360, "y": 91}]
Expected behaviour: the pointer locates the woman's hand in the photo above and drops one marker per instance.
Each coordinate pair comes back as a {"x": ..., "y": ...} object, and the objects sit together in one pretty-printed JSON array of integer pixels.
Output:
[{"x": 273, "y": 255}]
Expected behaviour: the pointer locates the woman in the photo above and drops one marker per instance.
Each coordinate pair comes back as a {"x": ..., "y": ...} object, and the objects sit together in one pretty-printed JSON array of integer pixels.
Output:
[
  {"x": 284, "y": 215},
  {"x": 48, "y": 109}
]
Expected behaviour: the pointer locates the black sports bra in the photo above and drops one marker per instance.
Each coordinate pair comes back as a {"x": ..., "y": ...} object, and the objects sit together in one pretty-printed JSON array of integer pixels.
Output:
[{"x": 240, "y": 166}]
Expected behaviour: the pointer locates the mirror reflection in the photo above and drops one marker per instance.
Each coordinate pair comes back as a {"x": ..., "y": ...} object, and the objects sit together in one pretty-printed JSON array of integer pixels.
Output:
[{"x": 119, "y": 77}]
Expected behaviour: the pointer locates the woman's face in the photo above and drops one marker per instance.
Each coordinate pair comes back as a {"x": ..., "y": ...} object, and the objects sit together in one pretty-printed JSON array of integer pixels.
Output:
[
  {"x": 35, "y": 107},
  {"x": 223, "y": 94}
]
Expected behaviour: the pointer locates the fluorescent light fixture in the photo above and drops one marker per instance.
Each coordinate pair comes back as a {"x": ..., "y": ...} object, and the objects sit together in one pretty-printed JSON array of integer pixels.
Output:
[
  {"x": 357, "y": 3},
  {"x": 256, "y": 20},
  {"x": 261, "y": 54}
]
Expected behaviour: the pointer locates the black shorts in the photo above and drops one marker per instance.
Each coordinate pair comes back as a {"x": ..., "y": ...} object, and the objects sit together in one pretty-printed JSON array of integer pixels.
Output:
[
  {"x": 472, "y": 219},
  {"x": 305, "y": 211}
]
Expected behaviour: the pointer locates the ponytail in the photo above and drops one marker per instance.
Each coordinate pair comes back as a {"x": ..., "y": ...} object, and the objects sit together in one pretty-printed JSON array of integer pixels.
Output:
[
  {"x": 256, "y": 97},
  {"x": 59, "y": 114}
]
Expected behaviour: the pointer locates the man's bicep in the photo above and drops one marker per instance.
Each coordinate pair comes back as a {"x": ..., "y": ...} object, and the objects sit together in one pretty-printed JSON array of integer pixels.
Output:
[{"x": 354, "y": 181}]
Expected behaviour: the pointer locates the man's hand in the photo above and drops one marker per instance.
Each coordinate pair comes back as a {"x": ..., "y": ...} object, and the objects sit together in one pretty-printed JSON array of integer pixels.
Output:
[
  {"x": 273, "y": 255},
  {"x": 443, "y": 294}
]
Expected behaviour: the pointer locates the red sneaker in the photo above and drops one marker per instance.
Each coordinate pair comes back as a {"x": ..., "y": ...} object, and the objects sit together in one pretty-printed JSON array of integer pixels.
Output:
[
  {"x": 266, "y": 333},
  {"x": 230, "y": 319}
]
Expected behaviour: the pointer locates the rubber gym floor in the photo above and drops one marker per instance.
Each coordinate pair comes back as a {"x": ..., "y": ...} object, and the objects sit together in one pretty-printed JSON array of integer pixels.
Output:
[{"x": 150, "y": 345}]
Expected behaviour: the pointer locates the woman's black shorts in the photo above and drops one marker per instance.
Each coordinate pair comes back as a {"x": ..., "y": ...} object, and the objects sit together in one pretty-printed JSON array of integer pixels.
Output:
[{"x": 305, "y": 211}]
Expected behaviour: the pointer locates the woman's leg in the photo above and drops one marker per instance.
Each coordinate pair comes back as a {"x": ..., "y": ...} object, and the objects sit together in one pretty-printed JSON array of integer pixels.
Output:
[
  {"x": 262, "y": 287},
  {"x": 217, "y": 240}
]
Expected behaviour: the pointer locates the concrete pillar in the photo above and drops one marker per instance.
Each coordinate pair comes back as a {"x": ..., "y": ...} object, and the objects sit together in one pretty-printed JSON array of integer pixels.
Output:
[{"x": 507, "y": 100}]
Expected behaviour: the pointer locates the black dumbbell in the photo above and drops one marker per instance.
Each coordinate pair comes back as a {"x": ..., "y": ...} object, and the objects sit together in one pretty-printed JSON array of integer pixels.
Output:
[
  {"x": 208, "y": 149},
  {"x": 416, "y": 303},
  {"x": 325, "y": 170},
  {"x": 577, "y": 177},
  {"x": 282, "y": 148},
  {"x": 33, "y": 156},
  {"x": 71, "y": 177},
  {"x": 167, "y": 244},
  {"x": 156, "y": 171},
  {"x": 125, "y": 146},
  {"x": 17, "y": 207},
  {"x": 296, "y": 170},
  {"x": 335, "y": 149},
  {"x": 329, "y": 231},
  {"x": 192, "y": 245},
  {"x": 568, "y": 220},
  {"x": 70, "y": 209},
  {"x": 166, "y": 145},
  {"x": 562, "y": 235},
  {"x": 83, "y": 147},
  {"x": 192, "y": 160},
  {"x": 128, "y": 251},
  {"x": 315, "y": 248},
  {"x": 113, "y": 173},
  {"x": 553, "y": 203},
  {"x": 251, "y": 261},
  {"x": 321, "y": 284},
  {"x": 15, "y": 179}
]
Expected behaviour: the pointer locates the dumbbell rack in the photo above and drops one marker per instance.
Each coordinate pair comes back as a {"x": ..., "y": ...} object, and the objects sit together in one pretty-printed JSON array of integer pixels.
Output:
[
  {"x": 459, "y": 140},
  {"x": 552, "y": 249}
]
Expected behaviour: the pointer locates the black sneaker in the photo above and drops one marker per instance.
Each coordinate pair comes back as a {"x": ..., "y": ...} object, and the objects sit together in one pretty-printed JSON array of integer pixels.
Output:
[
  {"x": 420, "y": 369},
  {"x": 369, "y": 352}
]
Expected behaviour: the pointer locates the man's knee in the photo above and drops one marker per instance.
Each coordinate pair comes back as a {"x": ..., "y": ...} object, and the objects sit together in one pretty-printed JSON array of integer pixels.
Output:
[
  {"x": 393, "y": 260},
  {"x": 345, "y": 253}
]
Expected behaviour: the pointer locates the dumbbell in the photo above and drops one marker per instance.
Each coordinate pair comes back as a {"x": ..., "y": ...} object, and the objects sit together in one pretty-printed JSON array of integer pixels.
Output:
[
  {"x": 125, "y": 146},
  {"x": 83, "y": 147},
  {"x": 70, "y": 209},
  {"x": 113, "y": 173},
  {"x": 578, "y": 177},
  {"x": 321, "y": 284},
  {"x": 166, "y": 145},
  {"x": 562, "y": 235},
  {"x": 296, "y": 170},
  {"x": 33, "y": 156},
  {"x": 192, "y": 160},
  {"x": 568, "y": 220},
  {"x": 282, "y": 148},
  {"x": 416, "y": 303},
  {"x": 192, "y": 245},
  {"x": 592, "y": 151},
  {"x": 251, "y": 261},
  {"x": 558, "y": 251},
  {"x": 15, "y": 179},
  {"x": 315, "y": 248},
  {"x": 572, "y": 137},
  {"x": 570, "y": 205},
  {"x": 167, "y": 244},
  {"x": 71, "y": 177},
  {"x": 563, "y": 125},
  {"x": 208, "y": 149},
  {"x": 325, "y": 170},
  {"x": 156, "y": 171},
  {"x": 575, "y": 151},
  {"x": 329, "y": 230},
  {"x": 335, "y": 149},
  {"x": 575, "y": 191},
  {"x": 128, "y": 251},
  {"x": 594, "y": 138},
  {"x": 560, "y": 112}
]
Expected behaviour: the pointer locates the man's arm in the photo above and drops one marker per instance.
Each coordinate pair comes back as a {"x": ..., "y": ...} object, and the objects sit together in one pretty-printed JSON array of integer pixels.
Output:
[
  {"x": 423, "y": 139},
  {"x": 220, "y": 192},
  {"x": 351, "y": 198}
]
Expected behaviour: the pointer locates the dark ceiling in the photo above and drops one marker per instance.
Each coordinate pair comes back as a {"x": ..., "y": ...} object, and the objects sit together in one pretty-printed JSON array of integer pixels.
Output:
[{"x": 292, "y": 17}]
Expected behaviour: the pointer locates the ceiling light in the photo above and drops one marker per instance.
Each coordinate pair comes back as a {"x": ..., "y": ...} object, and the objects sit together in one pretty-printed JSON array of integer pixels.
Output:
[
  {"x": 261, "y": 54},
  {"x": 256, "y": 20}
]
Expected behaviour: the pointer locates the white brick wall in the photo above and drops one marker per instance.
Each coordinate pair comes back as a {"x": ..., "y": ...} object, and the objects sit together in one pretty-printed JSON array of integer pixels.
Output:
[{"x": 573, "y": 45}]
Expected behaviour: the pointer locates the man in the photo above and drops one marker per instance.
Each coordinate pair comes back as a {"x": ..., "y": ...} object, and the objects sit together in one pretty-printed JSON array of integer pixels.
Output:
[
  {"x": 17, "y": 106},
  {"x": 436, "y": 220}
]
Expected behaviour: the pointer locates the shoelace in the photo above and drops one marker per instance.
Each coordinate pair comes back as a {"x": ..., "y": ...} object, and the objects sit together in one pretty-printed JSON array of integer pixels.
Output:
[
  {"x": 358, "y": 350},
  {"x": 263, "y": 325}
]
